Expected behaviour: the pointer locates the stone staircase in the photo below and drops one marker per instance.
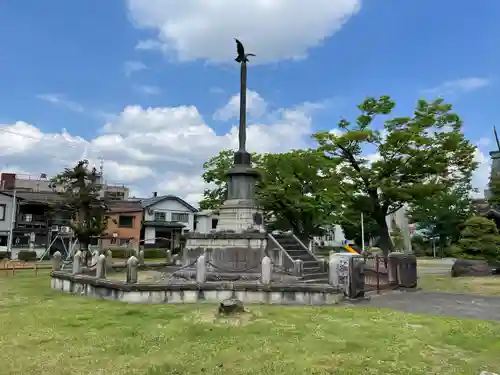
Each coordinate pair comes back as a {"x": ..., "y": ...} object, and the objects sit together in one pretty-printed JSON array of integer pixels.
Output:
[{"x": 296, "y": 250}]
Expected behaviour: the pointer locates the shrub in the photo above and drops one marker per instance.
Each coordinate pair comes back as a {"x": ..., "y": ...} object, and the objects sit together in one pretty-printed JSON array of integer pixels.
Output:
[
  {"x": 479, "y": 239},
  {"x": 125, "y": 253},
  {"x": 27, "y": 255},
  {"x": 120, "y": 252},
  {"x": 4, "y": 255},
  {"x": 155, "y": 253}
]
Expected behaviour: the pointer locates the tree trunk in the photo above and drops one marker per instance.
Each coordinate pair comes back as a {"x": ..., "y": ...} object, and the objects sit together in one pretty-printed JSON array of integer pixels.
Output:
[
  {"x": 385, "y": 242},
  {"x": 443, "y": 241}
]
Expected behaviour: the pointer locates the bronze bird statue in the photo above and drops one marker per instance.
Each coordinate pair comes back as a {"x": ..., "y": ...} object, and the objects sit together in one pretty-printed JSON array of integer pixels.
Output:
[{"x": 240, "y": 50}]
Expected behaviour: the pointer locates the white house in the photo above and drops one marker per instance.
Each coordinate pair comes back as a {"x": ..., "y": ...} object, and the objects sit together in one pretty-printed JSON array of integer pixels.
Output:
[
  {"x": 206, "y": 221},
  {"x": 333, "y": 236},
  {"x": 165, "y": 218},
  {"x": 6, "y": 204}
]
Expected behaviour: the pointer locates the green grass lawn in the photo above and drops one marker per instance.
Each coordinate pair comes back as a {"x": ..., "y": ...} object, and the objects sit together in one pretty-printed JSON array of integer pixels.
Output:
[
  {"x": 47, "y": 332},
  {"x": 488, "y": 285}
]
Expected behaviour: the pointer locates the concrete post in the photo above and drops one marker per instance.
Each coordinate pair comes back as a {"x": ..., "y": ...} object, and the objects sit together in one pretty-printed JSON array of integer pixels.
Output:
[
  {"x": 298, "y": 267},
  {"x": 100, "y": 271},
  {"x": 201, "y": 269},
  {"x": 141, "y": 256},
  {"x": 77, "y": 262},
  {"x": 56, "y": 261},
  {"x": 132, "y": 270},
  {"x": 266, "y": 271}
]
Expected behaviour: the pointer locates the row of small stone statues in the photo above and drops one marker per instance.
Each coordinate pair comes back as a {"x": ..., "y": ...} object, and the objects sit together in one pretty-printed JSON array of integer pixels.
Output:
[
  {"x": 100, "y": 263},
  {"x": 337, "y": 267}
]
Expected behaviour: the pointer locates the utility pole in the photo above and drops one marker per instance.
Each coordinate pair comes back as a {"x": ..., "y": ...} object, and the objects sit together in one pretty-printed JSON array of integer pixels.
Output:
[
  {"x": 362, "y": 234},
  {"x": 12, "y": 221}
]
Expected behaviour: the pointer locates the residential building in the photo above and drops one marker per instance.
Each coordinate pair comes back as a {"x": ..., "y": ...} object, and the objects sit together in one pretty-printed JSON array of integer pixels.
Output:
[
  {"x": 6, "y": 205},
  {"x": 124, "y": 225},
  {"x": 32, "y": 221},
  {"x": 333, "y": 237},
  {"x": 41, "y": 183},
  {"x": 205, "y": 221},
  {"x": 165, "y": 218}
]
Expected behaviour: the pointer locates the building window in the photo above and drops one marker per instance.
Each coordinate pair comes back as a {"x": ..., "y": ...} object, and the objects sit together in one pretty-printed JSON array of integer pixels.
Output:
[
  {"x": 3, "y": 240},
  {"x": 28, "y": 218},
  {"x": 123, "y": 241},
  {"x": 2, "y": 212},
  {"x": 214, "y": 223},
  {"x": 160, "y": 216},
  {"x": 113, "y": 241},
  {"x": 180, "y": 217},
  {"x": 126, "y": 221}
]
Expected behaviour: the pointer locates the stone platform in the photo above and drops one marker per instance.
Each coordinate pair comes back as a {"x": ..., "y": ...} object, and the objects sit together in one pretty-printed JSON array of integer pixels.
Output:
[{"x": 192, "y": 292}]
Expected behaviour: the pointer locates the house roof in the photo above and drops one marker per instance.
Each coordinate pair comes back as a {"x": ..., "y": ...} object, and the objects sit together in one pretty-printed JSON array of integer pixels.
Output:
[
  {"x": 45, "y": 197},
  {"x": 124, "y": 206},
  {"x": 148, "y": 202}
]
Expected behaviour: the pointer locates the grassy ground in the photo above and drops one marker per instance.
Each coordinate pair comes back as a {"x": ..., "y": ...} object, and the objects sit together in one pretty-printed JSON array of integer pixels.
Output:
[
  {"x": 489, "y": 285},
  {"x": 47, "y": 332}
]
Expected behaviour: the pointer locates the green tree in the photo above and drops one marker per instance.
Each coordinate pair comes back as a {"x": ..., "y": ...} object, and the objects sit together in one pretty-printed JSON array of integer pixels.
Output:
[
  {"x": 291, "y": 192},
  {"x": 215, "y": 170},
  {"x": 441, "y": 215},
  {"x": 398, "y": 241},
  {"x": 494, "y": 187},
  {"x": 479, "y": 239},
  {"x": 350, "y": 221},
  {"x": 416, "y": 157},
  {"x": 80, "y": 201}
]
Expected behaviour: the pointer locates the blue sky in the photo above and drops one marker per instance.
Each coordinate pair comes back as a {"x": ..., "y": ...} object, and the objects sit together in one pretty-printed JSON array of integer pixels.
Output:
[{"x": 77, "y": 65}]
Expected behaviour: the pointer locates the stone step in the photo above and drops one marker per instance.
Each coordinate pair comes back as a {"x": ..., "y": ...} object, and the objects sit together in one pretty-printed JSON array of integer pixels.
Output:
[
  {"x": 315, "y": 276},
  {"x": 316, "y": 281},
  {"x": 308, "y": 270}
]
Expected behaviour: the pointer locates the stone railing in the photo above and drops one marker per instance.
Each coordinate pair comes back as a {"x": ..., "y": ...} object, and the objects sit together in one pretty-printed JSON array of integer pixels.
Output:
[{"x": 345, "y": 272}]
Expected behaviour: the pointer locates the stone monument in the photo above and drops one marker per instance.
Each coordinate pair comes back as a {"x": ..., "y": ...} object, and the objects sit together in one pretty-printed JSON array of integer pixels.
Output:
[{"x": 239, "y": 242}]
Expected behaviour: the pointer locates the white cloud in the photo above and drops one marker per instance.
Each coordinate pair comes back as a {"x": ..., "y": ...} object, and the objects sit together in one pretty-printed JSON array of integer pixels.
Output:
[
  {"x": 151, "y": 149},
  {"x": 130, "y": 67},
  {"x": 256, "y": 107},
  {"x": 273, "y": 30},
  {"x": 60, "y": 100},
  {"x": 481, "y": 176},
  {"x": 459, "y": 86}
]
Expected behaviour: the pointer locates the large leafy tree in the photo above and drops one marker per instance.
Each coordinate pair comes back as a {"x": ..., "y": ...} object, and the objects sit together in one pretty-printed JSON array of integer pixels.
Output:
[
  {"x": 292, "y": 192},
  {"x": 215, "y": 170},
  {"x": 415, "y": 157},
  {"x": 441, "y": 215},
  {"x": 80, "y": 190},
  {"x": 350, "y": 221},
  {"x": 494, "y": 187}
]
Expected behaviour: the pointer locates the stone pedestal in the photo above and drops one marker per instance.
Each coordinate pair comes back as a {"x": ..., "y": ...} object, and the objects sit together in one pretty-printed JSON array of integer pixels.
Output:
[
  {"x": 239, "y": 215},
  {"x": 240, "y": 242},
  {"x": 239, "y": 212}
]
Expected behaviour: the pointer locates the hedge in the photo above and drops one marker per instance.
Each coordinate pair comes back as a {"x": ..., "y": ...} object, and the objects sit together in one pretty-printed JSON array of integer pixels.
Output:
[
  {"x": 4, "y": 255},
  {"x": 122, "y": 253},
  {"x": 26, "y": 255}
]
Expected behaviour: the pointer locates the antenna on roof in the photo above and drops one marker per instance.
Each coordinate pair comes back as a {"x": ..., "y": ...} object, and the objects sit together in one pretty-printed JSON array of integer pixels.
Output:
[{"x": 496, "y": 137}]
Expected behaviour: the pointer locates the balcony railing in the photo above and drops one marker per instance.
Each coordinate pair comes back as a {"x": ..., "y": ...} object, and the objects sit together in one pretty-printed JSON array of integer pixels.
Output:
[{"x": 30, "y": 218}]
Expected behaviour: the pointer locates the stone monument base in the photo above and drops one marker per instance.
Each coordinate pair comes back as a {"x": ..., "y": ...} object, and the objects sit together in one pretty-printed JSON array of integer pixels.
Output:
[
  {"x": 239, "y": 215},
  {"x": 227, "y": 252}
]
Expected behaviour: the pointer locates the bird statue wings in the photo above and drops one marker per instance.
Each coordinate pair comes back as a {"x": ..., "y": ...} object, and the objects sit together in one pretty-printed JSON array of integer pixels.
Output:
[{"x": 240, "y": 50}]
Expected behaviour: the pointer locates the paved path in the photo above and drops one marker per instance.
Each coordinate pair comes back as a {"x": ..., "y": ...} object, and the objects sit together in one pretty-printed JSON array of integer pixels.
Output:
[
  {"x": 434, "y": 303},
  {"x": 448, "y": 304}
]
